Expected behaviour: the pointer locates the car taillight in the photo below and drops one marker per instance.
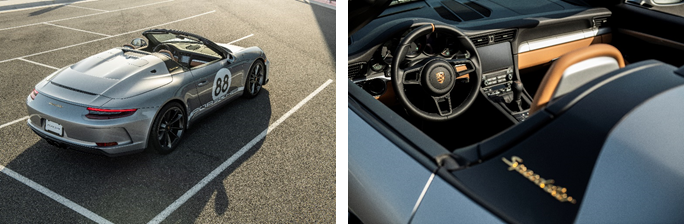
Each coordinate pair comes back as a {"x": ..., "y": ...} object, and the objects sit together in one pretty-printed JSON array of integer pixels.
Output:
[
  {"x": 98, "y": 113},
  {"x": 34, "y": 94}
]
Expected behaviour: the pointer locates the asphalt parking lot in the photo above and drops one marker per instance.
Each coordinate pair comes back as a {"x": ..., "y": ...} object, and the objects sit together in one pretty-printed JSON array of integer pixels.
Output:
[{"x": 268, "y": 159}]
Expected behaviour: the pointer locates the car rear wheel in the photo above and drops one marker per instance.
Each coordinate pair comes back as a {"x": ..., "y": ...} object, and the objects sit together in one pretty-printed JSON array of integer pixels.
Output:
[
  {"x": 255, "y": 79},
  {"x": 168, "y": 128}
]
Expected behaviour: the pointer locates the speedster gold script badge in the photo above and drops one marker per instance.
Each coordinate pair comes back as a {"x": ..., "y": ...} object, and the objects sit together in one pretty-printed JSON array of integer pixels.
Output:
[
  {"x": 440, "y": 77},
  {"x": 558, "y": 192}
]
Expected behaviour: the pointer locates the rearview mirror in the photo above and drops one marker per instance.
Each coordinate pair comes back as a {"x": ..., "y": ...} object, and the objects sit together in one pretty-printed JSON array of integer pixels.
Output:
[{"x": 139, "y": 43}]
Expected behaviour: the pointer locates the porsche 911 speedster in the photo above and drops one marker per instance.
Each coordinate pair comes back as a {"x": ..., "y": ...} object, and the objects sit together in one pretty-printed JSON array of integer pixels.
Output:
[
  {"x": 507, "y": 111},
  {"x": 141, "y": 95}
]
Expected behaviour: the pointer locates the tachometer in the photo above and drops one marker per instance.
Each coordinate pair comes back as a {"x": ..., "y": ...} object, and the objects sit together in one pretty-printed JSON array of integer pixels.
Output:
[{"x": 414, "y": 50}]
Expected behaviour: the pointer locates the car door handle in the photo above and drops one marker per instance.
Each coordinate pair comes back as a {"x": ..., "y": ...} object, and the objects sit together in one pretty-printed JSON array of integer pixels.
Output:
[{"x": 202, "y": 83}]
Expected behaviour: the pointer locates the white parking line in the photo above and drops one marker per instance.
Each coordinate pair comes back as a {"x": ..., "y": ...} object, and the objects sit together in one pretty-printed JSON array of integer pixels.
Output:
[
  {"x": 41, "y": 64},
  {"x": 45, "y": 6},
  {"x": 14, "y": 121},
  {"x": 241, "y": 39},
  {"x": 80, "y": 7},
  {"x": 176, "y": 204},
  {"x": 121, "y": 34},
  {"x": 46, "y": 23},
  {"x": 54, "y": 196},
  {"x": 76, "y": 17}
]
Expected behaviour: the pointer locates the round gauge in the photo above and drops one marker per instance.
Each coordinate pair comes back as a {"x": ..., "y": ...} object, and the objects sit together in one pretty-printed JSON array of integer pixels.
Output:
[
  {"x": 446, "y": 52},
  {"x": 377, "y": 66},
  {"x": 414, "y": 50},
  {"x": 434, "y": 44}
]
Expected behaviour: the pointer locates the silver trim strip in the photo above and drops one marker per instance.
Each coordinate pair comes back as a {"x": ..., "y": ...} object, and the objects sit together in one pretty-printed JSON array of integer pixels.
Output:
[
  {"x": 420, "y": 198},
  {"x": 561, "y": 39}
]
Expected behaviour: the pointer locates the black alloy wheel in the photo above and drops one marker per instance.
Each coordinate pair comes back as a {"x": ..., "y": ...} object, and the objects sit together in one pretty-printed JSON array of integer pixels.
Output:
[
  {"x": 168, "y": 128},
  {"x": 255, "y": 79}
]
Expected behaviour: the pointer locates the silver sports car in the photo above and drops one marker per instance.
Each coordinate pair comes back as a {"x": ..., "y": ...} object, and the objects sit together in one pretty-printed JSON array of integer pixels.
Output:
[{"x": 128, "y": 98}]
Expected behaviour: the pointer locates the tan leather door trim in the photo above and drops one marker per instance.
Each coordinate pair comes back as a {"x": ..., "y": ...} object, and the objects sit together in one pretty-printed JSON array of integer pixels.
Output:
[{"x": 545, "y": 55}]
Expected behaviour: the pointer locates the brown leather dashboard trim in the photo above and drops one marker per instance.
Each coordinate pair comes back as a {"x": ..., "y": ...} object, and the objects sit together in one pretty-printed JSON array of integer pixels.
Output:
[
  {"x": 548, "y": 54},
  {"x": 194, "y": 63}
]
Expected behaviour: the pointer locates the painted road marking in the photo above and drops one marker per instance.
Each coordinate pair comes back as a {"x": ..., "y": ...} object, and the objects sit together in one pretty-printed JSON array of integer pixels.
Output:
[
  {"x": 104, "y": 38},
  {"x": 76, "y": 17},
  {"x": 36, "y": 63},
  {"x": 245, "y": 37},
  {"x": 185, "y": 197},
  {"x": 46, "y": 23},
  {"x": 14, "y": 121},
  {"x": 54, "y": 196}
]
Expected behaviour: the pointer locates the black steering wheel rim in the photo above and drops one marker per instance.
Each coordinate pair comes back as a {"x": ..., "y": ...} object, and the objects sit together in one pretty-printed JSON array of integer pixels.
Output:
[
  {"x": 437, "y": 76},
  {"x": 165, "y": 47}
]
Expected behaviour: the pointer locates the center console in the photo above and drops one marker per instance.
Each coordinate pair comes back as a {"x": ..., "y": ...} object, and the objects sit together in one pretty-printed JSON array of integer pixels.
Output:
[{"x": 501, "y": 84}]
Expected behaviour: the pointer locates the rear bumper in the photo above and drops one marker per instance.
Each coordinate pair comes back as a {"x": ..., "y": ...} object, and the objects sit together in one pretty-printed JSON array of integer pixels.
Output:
[
  {"x": 107, "y": 151},
  {"x": 81, "y": 133}
]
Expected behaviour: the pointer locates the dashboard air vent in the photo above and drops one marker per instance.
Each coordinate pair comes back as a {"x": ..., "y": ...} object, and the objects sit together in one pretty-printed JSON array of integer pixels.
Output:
[
  {"x": 504, "y": 36},
  {"x": 357, "y": 70},
  {"x": 600, "y": 22},
  {"x": 483, "y": 40},
  {"x": 480, "y": 40}
]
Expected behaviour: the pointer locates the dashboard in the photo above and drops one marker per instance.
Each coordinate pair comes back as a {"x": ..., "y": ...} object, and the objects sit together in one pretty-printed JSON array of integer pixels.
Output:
[{"x": 508, "y": 37}]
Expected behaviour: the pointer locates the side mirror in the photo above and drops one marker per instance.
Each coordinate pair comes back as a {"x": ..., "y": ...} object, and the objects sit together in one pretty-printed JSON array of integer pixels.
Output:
[{"x": 139, "y": 43}]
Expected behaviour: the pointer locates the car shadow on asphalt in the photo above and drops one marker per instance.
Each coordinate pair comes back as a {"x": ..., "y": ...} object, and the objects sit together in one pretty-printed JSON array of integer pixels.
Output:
[
  {"x": 135, "y": 188},
  {"x": 48, "y": 9},
  {"x": 326, "y": 18}
]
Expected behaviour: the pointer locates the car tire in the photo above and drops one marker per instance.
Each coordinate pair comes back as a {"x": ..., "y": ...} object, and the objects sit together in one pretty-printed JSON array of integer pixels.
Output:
[
  {"x": 255, "y": 79},
  {"x": 168, "y": 128}
]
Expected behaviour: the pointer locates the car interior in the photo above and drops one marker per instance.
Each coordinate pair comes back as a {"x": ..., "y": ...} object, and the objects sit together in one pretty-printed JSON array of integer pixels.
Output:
[
  {"x": 464, "y": 71},
  {"x": 187, "y": 54}
]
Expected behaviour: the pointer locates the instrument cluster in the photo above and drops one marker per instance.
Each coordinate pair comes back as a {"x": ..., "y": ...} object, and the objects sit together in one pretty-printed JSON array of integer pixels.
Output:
[{"x": 432, "y": 45}]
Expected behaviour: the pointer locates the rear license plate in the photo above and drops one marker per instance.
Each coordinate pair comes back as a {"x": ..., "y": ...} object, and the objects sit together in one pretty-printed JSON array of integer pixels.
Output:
[{"x": 53, "y": 127}]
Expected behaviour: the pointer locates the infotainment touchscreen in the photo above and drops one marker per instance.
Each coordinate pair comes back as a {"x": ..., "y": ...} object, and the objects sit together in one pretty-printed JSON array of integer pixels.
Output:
[{"x": 496, "y": 57}]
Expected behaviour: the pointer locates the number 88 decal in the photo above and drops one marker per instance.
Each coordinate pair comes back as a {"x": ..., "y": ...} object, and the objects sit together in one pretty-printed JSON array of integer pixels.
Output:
[{"x": 222, "y": 82}]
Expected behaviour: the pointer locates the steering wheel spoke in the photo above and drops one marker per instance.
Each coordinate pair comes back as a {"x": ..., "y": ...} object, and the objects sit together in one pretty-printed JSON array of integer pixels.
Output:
[
  {"x": 411, "y": 75},
  {"x": 462, "y": 66},
  {"x": 443, "y": 104}
]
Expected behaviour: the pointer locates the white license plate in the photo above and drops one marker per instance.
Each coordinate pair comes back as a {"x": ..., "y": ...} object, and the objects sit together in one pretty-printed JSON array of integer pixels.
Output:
[{"x": 53, "y": 127}]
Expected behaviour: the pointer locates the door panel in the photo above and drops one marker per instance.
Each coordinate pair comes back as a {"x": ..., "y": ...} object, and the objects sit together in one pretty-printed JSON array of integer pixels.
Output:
[
  {"x": 215, "y": 82},
  {"x": 648, "y": 33}
]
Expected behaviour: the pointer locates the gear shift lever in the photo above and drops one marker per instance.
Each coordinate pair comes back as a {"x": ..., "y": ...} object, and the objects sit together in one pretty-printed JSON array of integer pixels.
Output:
[{"x": 517, "y": 88}]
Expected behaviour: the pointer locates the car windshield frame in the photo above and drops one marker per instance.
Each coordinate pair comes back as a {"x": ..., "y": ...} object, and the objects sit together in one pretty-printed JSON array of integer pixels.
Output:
[{"x": 174, "y": 36}]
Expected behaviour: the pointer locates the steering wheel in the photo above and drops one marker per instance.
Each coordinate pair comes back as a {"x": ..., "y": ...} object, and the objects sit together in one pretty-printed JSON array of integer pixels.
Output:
[
  {"x": 162, "y": 46},
  {"x": 166, "y": 47},
  {"x": 435, "y": 75}
]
